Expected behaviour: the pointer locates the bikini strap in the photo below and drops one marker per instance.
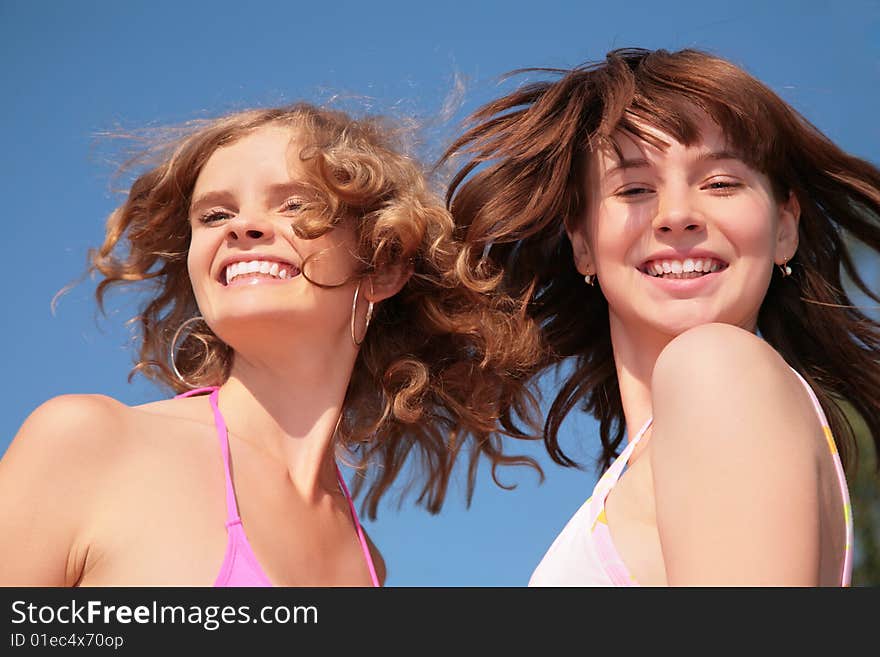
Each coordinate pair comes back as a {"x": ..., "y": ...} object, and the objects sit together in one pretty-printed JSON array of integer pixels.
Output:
[
  {"x": 197, "y": 391},
  {"x": 608, "y": 480},
  {"x": 232, "y": 517},
  {"x": 841, "y": 480},
  {"x": 360, "y": 532}
]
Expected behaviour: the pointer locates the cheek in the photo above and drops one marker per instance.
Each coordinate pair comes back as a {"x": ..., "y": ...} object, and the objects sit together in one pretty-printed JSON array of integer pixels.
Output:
[
  {"x": 198, "y": 266},
  {"x": 329, "y": 260},
  {"x": 613, "y": 234},
  {"x": 750, "y": 226},
  {"x": 330, "y": 266}
]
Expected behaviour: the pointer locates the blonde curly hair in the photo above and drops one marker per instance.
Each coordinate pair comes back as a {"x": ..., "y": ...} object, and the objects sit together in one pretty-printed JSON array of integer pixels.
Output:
[{"x": 440, "y": 372}]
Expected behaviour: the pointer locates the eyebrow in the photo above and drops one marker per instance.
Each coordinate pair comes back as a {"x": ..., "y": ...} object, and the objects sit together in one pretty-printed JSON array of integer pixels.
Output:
[
  {"x": 719, "y": 155},
  {"x": 624, "y": 164},
  {"x": 287, "y": 188},
  {"x": 640, "y": 162},
  {"x": 221, "y": 197},
  {"x": 207, "y": 199}
]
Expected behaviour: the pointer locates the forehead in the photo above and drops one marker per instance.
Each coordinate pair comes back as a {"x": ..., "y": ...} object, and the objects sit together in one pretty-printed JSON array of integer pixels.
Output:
[
  {"x": 269, "y": 152},
  {"x": 656, "y": 146}
]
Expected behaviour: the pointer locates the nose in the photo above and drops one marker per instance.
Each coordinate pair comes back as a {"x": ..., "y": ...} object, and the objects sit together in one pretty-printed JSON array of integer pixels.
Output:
[
  {"x": 676, "y": 213},
  {"x": 249, "y": 226}
]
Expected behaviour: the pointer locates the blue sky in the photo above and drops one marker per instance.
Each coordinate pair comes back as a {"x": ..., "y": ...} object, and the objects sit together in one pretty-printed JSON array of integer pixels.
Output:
[{"x": 73, "y": 70}]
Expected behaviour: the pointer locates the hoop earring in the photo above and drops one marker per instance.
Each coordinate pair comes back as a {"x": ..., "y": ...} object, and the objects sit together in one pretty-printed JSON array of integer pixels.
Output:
[
  {"x": 785, "y": 268},
  {"x": 357, "y": 343},
  {"x": 177, "y": 373}
]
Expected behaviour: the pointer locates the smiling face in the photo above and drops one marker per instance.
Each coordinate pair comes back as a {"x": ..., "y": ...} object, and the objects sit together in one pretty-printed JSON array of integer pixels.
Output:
[
  {"x": 245, "y": 260},
  {"x": 682, "y": 236}
]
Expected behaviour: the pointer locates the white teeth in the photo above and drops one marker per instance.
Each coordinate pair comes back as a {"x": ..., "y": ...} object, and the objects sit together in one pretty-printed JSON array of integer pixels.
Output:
[
  {"x": 263, "y": 267},
  {"x": 687, "y": 266}
]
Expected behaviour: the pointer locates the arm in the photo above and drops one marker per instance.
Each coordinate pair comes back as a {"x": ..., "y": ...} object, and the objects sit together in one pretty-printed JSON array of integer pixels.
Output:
[
  {"x": 47, "y": 479},
  {"x": 733, "y": 457}
]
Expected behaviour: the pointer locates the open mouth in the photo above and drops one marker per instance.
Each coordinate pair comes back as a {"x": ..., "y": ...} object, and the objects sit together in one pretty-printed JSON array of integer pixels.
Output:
[
  {"x": 682, "y": 269},
  {"x": 256, "y": 269}
]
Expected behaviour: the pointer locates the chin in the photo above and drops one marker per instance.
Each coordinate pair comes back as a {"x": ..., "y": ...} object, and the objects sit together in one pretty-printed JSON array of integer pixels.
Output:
[
  {"x": 257, "y": 321},
  {"x": 675, "y": 326},
  {"x": 672, "y": 317},
  {"x": 681, "y": 320}
]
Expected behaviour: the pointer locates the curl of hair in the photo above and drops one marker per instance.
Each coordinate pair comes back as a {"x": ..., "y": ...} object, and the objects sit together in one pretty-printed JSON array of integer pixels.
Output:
[
  {"x": 522, "y": 181},
  {"x": 438, "y": 369}
]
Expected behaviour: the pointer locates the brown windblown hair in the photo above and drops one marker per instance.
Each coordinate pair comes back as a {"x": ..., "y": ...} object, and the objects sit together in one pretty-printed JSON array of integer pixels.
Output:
[
  {"x": 441, "y": 357},
  {"x": 523, "y": 181}
]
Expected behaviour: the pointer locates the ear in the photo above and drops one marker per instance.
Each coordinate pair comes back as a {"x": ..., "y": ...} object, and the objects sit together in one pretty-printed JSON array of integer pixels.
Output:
[
  {"x": 787, "y": 229},
  {"x": 583, "y": 258},
  {"x": 387, "y": 282}
]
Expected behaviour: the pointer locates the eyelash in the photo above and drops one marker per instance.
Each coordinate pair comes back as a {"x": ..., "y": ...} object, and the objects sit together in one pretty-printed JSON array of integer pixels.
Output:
[
  {"x": 724, "y": 185},
  {"x": 216, "y": 214},
  {"x": 718, "y": 185},
  {"x": 293, "y": 204},
  {"x": 633, "y": 191},
  {"x": 213, "y": 215}
]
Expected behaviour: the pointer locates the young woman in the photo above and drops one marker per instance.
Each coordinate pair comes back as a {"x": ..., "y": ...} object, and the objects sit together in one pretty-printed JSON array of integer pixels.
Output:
[
  {"x": 306, "y": 303},
  {"x": 679, "y": 231}
]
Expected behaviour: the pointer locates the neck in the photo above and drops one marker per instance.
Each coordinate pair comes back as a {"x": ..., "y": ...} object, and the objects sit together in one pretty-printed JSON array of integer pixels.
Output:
[
  {"x": 287, "y": 398},
  {"x": 635, "y": 349}
]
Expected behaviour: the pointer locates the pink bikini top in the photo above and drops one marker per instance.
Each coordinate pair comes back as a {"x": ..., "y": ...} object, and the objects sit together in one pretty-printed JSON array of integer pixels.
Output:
[
  {"x": 584, "y": 555},
  {"x": 240, "y": 566}
]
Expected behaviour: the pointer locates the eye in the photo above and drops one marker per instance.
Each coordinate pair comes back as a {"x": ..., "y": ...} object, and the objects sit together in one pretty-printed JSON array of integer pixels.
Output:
[
  {"x": 633, "y": 192},
  {"x": 293, "y": 204},
  {"x": 722, "y": 185},
  {"x": 214, "y": 215}
]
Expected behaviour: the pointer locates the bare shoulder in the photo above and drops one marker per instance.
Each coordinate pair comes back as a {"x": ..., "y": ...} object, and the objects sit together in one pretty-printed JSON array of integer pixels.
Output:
[
  {"x": 733, "y": 456},
  {"x": 67, "y": 445},
  {"x": 76, "y": 438},
  {"x": 727, "y": 376},
  {"x": 725, "y": 401},
  {"x": 51, "y": 477},
  {"x": 723, "y": 348},
  {"x": 177, "y": 409},
  {"x": 71, "y": 423}
]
